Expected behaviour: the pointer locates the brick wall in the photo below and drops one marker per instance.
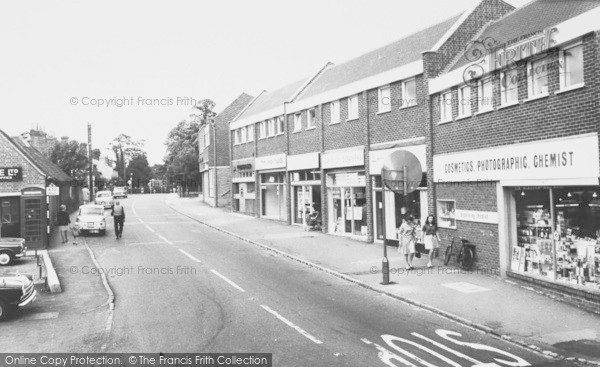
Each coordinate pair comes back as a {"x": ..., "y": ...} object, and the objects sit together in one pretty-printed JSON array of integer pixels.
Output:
[
  {"x": 559, "y": 115},
  {"x": 480, "y": 196},
  {"x": 347, "y": 133},
  {"x": 399, "y": 123},
  {"x": 271, "y": 145},
  {"x": 10, "y": 156},
  {"x": 485, "y": 12},
  {"x": 224, "y": 186},
  {"x": 307, "y": 141}
]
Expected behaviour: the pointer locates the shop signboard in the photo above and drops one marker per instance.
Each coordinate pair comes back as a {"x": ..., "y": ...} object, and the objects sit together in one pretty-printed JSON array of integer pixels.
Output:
[
  {"x": 271, "y": 162},
  {"x": 303, "y": 161},
  {"x": 476, "y": 216},
  {"x": 11, "y": 174},
  {"x": 566, "y": 158},
  {"x": 343, "y": 158}
]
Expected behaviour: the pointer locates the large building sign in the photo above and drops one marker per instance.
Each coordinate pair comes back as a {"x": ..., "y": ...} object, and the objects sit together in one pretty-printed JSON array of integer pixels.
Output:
[
  {"x": 11, "y": 174},
  {"x": 565, "y": 158},
  {"x": 343, "y": 158}
]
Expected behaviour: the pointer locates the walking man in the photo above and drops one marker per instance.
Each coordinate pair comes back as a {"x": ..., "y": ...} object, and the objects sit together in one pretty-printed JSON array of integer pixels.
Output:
[
  {"x": 63, "y": 221},
  {"x": 85, "y": 192},
  {"x": 118, "y": 213}
]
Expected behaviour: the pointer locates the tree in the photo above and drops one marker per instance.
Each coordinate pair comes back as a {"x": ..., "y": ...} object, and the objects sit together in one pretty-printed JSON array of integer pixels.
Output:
[
  {"x": 125, "y": 149},
  {"x": 140, "y": 169},
  {"x": 182, "y": 146},
  {"x": 72, "y": 158}
]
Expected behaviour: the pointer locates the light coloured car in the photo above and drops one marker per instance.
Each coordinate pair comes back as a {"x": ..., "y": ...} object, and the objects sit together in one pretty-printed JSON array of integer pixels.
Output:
[
  {"x": 104, "y": 198},
  {"x": 16, "y": 291},
  {"x": 120, "y": 192},
  {"x": 91, "y": 219}
]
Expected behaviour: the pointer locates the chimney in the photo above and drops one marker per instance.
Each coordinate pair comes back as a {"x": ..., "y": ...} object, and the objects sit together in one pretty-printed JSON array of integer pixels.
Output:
[{"x": 64, "y": 139}]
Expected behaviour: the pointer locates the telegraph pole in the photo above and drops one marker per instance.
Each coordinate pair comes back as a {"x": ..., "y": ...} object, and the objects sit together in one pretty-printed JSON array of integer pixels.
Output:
[{"x": 90, "y": 164}]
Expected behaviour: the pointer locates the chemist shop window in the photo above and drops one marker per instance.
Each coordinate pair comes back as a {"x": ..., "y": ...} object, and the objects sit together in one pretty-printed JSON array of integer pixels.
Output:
[{"x": 558, "y": 233}]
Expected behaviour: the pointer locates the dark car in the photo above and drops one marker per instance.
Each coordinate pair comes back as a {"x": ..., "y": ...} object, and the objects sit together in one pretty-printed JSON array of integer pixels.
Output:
[
  {"x": 11, "y": 249},
  {"x": 15, "y": 291}
]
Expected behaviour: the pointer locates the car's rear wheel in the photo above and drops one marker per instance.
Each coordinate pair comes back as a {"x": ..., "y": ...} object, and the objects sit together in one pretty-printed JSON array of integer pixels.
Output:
[
  {"x": 3, "y": 310},
  {"x": 6, "y": 258}
]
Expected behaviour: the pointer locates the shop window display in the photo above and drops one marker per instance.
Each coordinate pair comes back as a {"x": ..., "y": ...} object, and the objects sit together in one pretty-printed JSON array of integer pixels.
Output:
[{"x": 558, "y": 234}]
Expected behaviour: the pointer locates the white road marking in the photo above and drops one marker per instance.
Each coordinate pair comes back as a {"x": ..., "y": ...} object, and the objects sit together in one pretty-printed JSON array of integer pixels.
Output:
[
  {"x": 465, "y": 287},
  {"x": 133, "y": 208},
  {"x": 227, "y": 280},
  {"x": 188, "y": 255},
  {"x": 149, "y": 228},
  {"x": 442, "y": 346},
  {"x": 166, "y": 240},
  {"x": 290, "y": 324}
]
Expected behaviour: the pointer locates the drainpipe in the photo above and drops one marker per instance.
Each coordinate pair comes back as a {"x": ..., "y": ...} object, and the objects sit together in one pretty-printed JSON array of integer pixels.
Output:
[
  {"x": 214, "y": 127},
  {"x": 288, "y": 183}
]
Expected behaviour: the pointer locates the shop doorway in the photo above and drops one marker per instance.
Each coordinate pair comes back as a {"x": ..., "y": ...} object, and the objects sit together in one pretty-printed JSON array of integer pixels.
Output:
[
  {"x": 10, "y": 220},
  {"x": 349, "y": 214},
  {"x": 307, "y": 199},
  {"x": 397, "y": 206},
  {"x": 242, "y": 201}
]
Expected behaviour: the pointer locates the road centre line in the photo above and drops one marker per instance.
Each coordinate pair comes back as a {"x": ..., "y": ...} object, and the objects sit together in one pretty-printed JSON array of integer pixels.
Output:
[
  {"x": 290, "y": 324},
  {"x": 227, "y": 280},
  {"x": 164, "y": 239},
  {"x": 188, "y": 255}
]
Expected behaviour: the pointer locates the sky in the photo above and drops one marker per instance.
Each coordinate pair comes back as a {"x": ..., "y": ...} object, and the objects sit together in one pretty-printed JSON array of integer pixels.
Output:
[{"x": 136, "y": 67}]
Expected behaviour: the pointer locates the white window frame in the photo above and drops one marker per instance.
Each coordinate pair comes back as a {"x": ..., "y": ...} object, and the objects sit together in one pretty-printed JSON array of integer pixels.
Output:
[
  {"x": 408, "y": 101},
  {"x": 384, "y": 102},
  {"x": 444, "y": 116},
  {"x": 504, "y": 102},
  {"x": 563, "y": 68},
  {"x": 236, "y": 136},
  {"x": 310, "y": 120},
  {"x": 353, "y": 108},
  {"x": 485, "y": 101},
  {"x": 262, "y": 130},
  {"x": 297, "y": 122},
  {"x": 531, "y": 76},
  {"x": 464, "y": 101},
  {"x": 280, "y": 125},
  {"x": 250, "y": 133},
  {"x": 243, "y": 135},
  {"x": 270, "y": 127},
  {"x": 334, "y": 113}
]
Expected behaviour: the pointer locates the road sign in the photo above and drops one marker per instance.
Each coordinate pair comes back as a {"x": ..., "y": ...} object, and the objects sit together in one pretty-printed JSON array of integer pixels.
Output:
[{"x": 52, "y": 190}]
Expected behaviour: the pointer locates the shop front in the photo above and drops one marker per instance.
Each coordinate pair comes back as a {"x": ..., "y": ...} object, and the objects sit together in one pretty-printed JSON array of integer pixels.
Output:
[
  {"x": 548, "y": 206},
  {"x": 305, "y": 178},
  {"x": 244, "y": 186},
  {"x": 398, "y": 204},
  {"x": 273, "y": 204},
  {"x": 346, "y": 192}
]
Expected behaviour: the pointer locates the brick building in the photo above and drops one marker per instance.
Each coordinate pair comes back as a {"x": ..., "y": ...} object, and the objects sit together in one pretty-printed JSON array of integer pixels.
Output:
[
  {"x": 515, "y": 123},
  {"x": 213, "y": 140},
  {"x": 26, "y": 208},
  {"x": 325, "y": 140}
]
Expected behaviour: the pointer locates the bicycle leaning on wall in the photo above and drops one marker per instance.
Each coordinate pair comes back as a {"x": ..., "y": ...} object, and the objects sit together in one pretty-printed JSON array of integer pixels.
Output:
[{"x": 463, "y": 251}]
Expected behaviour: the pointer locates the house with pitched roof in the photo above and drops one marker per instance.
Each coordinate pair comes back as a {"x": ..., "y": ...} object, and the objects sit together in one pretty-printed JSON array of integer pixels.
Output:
[{"x": 31, "y": 191}]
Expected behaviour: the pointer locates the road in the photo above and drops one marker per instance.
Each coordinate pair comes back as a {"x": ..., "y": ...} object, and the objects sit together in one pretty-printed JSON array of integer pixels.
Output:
[{"x": 183, "y": 287}]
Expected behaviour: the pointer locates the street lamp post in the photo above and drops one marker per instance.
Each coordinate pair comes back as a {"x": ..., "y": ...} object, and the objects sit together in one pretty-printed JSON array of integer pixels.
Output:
[{"x": 395, "y": 181}]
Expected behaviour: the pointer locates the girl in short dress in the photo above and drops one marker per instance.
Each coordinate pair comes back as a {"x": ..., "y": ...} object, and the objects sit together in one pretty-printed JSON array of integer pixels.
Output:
[
  {"x": 406, "y": 237},
  {"x": 432, "y": 237}
]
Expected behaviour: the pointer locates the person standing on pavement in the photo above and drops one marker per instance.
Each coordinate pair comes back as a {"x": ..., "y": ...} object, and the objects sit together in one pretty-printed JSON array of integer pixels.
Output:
[
  {"x": 63, "y": 221},
  {"x": 85, "y": 192},
  {"x": 118, "y": 213},
  {"x": 406, "y": 236},
  {"x": 432, "y": 237}
]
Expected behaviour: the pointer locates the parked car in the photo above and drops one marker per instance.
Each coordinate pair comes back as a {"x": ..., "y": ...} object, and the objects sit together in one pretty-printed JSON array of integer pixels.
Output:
[
  {"x": 15, "y": 291},
  {"x": 120, "y": 192},
  {"x": 11, "y": 249},
  {"x": 91, "y": 219},
  {"x": 104, "y": 198}
]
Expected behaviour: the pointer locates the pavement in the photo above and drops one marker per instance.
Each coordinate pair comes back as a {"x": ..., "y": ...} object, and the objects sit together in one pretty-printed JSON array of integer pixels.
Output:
[
  {"x": 478, "y": 299},
  {"x": 72, "y": 320}
]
